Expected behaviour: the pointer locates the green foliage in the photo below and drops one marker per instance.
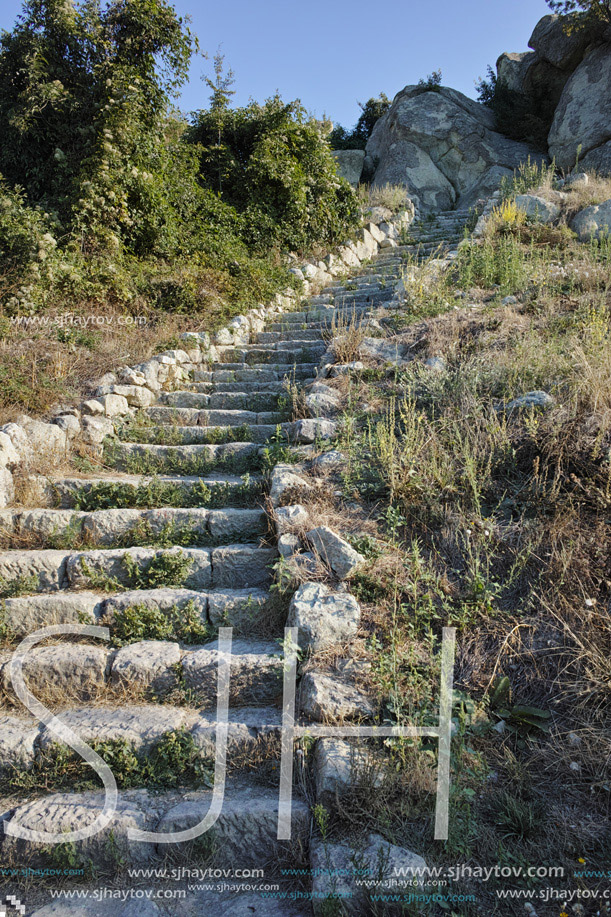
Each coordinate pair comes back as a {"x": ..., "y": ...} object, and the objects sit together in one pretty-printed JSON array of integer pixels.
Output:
[
  {"x": 84, "y": 91},
  {"x": 594, "y": 9},
  {"x": 143, "y": 622},
  {"x": 432, "y": 83},
  {"x": 164, "y": 569},
  {"x": 21, "y": 585},
  {"x": 275, "y": 168},
  {"x": 486, "y": 87},
  {"x": 115, "y": 495},
  {"x": 356, "y": 139}
]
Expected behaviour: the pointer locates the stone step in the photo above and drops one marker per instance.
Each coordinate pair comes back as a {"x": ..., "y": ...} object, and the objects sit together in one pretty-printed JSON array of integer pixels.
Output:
[
  {"x": 237, "y": 566},
  {"x": 129, "y": 490},
  {"x": 271, "y": 372},
  {"x": 270, "y": 337},
  {"x": 196, "y": 459},
  {"x": 216, "y": 422},
  {"x": 254, "y": 401},
  {"x": 245, "y": 371},
  {"x": 245, "y": 832},
  {"x": 141, "y": 727},
  {"x": 277, "y": 387},
  {"x": 82, "y": 672},
  {"x": 254, "y": 433},
  {"x": 128, "y": 526},
  {"x": 271, "y": 355},
  {"x": 242, "y": 609}
]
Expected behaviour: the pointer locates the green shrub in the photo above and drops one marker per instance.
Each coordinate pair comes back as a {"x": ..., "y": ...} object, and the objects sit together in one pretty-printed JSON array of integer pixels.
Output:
[
  {"x": 356, "y": 139},
  {"x": 143, "y": 622}
]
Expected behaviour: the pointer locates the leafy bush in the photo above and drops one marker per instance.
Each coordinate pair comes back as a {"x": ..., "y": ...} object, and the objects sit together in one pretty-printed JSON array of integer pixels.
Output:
[
  {"x": 142, "y": 622},
  {"x": 356, "y": 139},
  {"x": 432, "y": 83},
  {"x": 273, "y": 165}
]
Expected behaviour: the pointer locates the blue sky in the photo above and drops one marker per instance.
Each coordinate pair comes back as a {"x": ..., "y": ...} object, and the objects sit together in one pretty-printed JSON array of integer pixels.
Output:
[{"x": 333, "y": 53}]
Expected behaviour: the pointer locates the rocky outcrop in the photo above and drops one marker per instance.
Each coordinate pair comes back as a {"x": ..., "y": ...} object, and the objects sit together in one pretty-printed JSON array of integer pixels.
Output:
[
  {"x": 349, "y": 164},
  {"x": 443, "y": 146},
  {"x": 583, "y": 116},
  {"x": 565, "y": 83}
]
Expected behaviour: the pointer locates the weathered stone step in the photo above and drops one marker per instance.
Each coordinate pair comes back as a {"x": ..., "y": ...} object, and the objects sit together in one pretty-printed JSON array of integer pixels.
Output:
[
  {"x": 129, "y": 526},
  {"x": 140, "y": 726},
  {"x": 238, "y": 608},
  {"x": 245, "y": 832},
  {"x": 261, "y": 354},
  {"x": 218, "y": 423},
  {"x": 238, "y": 566},
  {"x": 238, "y": 372},
  {"x": 270, "y": 337},
  {"x": 128, "y": 490},
  {"x": 253, "y": 433},
  {"x": 242, "y": 371},
  {"x": 254, "y": 401},
  {"x": 83, "y": 671},
  {"x": 278, "y": 387},
  {"x": 190, "y": 460}
]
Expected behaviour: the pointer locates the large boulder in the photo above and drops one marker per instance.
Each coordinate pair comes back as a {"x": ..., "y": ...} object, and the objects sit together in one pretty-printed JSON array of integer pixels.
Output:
[
  {"x": 564, "y": 48},
  {"x": 349, "y": 164},
  {"x": 583, "y": 115},
  {"x": 441, "y": 145},
  {"x": 593, "y": 222}
]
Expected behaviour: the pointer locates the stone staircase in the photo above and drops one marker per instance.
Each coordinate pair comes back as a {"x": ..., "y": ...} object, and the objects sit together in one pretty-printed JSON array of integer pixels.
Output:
[{"x": 175, "y": 526}]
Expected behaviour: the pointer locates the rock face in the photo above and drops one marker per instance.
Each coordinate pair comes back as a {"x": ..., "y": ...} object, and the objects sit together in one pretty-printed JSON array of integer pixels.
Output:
[
  {"x": 565, "y": 82},
  {"x": 441, "y": 145},
  {"x": 323, "y": 618},
  {"x": 337, "y": 868},
  {"x": 349, "y": 164},
  {"x": 593, "y": 222},
  {"x": 583, "y": 116}
]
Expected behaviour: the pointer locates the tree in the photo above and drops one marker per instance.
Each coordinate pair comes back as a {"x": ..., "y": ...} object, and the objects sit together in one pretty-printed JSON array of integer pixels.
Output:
[
  {"x": 279, "y": 173},
  {"x": 219, "y": 111},
  {"x": 84, "y": 96},
  {"x": 595, "y": 9},
  {"x": 356, "y": 139}
]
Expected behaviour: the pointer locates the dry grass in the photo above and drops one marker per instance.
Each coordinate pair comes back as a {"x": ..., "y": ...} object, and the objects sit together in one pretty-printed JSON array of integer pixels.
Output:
[{"x": 393, "y": 197}]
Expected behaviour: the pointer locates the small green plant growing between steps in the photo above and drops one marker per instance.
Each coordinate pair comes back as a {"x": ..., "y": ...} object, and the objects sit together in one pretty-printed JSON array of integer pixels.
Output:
[{"x": 146, "y": 622}]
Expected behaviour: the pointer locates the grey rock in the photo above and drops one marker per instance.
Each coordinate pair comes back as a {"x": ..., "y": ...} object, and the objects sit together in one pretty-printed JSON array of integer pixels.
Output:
[
  {"x": 74, "y": 670},
  {"x": 341, "y": 766},
  {"x": 344, "y": 369},
  {"x": 162, "y": 599},
  {"x": 599, "y": 159},
  {"x": 327, "y": 699},
  {"x": 239, "y": 609},
  {"x": 313, "y": 429},
  {"x": 593, "y": 222},
  {"x": 283, "y": 478},
  {"x": 436, "y": 364},
  {"x": 7, "y": 487},
  {"x": 439, "y": 145},
  {"x": 386, "y": 351},
  {"x": 96, "y": 429},
  {"x": 48, "y": 568},
  {"x": 323, "y": 618},
  {"x": 241, "y": 567},
  {"x": 537, "y": 208},
  {"x": 329, "y": 459},
  {"x": 256, "y": 671},
  {"x": 148, "y": 664},
  {"x": 289, "y": 518},
  {"x": 288, "y": 545},
  {"x": 17, "y": 743},
  {"x": 62, "y": 812},
  {"x": 576, "y": 180},
  {"x": 247, "y": 727},
  {"x": 338, "y": 867},
  {"x": 24, "y": 615},
  {"x": 583, "y": 115},
  {"x": 334, "y": 551},
  {"x": 9, "y": 455},
  {"x": 349, "y": 164},
  {"x": 246, "y": 828},
  {"x": 559, "y": 46},
  {"x": 140, "y": 726},
  {"x": 530, "y": 400},
  {"x": 69, "y": 424}
]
